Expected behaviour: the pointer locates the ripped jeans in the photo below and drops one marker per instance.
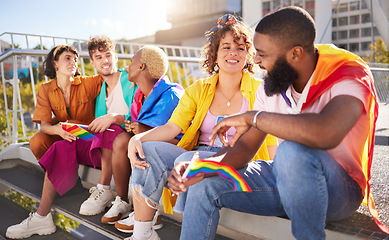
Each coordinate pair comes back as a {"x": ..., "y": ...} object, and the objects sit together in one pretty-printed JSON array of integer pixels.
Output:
[
  {"x": 162, "y": 157},
  {"x": 305, "y": 184}
]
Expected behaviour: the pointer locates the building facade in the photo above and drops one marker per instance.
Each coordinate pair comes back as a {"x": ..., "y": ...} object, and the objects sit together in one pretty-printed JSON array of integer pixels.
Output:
[
  {"x": 355, "y": 25},
  {"x": 346, "y": 23}
]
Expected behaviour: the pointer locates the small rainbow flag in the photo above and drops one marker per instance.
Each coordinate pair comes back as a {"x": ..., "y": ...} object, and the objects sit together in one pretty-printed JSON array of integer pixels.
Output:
[
  {"x": 78, "y": 131},
  {"x": 198, "y": 165}
]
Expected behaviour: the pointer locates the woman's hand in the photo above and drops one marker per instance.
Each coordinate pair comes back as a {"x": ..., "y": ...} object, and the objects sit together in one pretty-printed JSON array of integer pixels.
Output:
[
  {"x": 175, "y": 181},
  {"x": 48, "y": 128},
  {"x": 137, "y": 127},
  {"x": 134, "y": 150},
  {"x": 65, "y": 135},
  {"x": 127, "y": 124}
]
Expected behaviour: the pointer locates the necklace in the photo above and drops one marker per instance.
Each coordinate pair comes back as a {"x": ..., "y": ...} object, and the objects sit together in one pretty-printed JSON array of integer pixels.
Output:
[
  {"x": 229, "y": 99},
  {"x": 65, "y": 93}
]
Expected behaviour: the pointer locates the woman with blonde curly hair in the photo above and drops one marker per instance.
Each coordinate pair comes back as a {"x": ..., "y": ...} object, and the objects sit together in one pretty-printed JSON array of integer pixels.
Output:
[{"x": 229, "y": 59}]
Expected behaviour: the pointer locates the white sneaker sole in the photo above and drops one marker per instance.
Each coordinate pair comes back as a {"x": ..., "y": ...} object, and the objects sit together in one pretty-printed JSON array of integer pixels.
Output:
[
  {"x": 159, "y": 226},
  {"x": 155, "y": 227},
  {"x": 124, "y": 216},
  {"x": 41, "y": 232},
  {"x": 90, "y": 213}
]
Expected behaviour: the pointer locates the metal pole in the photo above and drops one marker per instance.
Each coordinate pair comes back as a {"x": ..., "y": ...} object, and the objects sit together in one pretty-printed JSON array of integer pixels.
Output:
[
  {"x": 14, "y": 83},
  {"x": 372, "y": 28}
]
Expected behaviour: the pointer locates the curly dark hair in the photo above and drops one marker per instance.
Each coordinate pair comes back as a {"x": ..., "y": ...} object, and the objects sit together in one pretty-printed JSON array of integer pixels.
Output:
[
  {"x": 101, "y": 43},
  {"x": 48, "y": 64},
  {"x": 239, "y": 30}
]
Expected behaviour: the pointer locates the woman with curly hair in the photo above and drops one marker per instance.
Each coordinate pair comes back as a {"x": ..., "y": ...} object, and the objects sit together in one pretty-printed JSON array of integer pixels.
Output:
[{"x": 231, "y": 89}]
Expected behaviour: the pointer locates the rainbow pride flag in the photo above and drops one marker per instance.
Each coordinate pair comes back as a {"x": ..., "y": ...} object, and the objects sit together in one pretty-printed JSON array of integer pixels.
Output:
[
  {"x": 198, "y": 165},
  {"x": 78, "y": 131}
]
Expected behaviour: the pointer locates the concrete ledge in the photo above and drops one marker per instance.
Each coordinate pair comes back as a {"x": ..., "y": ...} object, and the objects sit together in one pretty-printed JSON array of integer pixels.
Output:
[{"x": 235, "y": 225}]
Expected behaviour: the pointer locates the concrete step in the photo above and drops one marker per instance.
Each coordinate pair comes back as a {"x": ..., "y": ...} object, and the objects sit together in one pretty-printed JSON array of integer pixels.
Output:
[{"x": 28, "y": 182}]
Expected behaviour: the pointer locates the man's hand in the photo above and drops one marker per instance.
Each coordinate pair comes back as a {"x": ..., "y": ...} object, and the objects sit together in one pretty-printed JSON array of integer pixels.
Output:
[
  {"x": 241, "y": 122},
  {"x": 175, "y": 181},
  {"x": 135, "y": 149},
  {"x": 101, "y": 123}
]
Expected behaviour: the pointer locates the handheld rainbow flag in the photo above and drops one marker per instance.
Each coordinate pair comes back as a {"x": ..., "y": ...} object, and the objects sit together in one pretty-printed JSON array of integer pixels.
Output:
[
  {"x": 78, "y": 131},
  {"x": 198, "y": 165}
]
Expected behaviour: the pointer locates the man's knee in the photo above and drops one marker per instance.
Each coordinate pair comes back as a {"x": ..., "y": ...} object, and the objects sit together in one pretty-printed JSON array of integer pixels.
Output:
[
  {"x": 121, "y": 141},
  {"x": 289, "y": 151},
  {"x": 295, "y": 157}
]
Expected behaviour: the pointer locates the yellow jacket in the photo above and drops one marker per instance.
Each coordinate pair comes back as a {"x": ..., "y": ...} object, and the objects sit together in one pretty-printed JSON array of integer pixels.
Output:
[{"x": 192, "y": 108}]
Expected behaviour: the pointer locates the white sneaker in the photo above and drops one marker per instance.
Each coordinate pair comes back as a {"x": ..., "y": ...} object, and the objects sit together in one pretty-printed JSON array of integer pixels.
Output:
[
  {"x": 127, "y": 225},
  {"x": 154, "y": 236},
  {"x": 119, "y": 210},
  {"x": 32, "y": 225},
  {"x": 97, "y": 201}
]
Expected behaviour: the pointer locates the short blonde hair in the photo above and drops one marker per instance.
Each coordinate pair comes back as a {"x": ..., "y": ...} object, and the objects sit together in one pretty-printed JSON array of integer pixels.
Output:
[{"x": 155, "y": 60}]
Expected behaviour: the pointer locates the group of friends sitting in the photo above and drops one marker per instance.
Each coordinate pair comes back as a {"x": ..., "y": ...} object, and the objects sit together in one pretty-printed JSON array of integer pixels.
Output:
[{"x": 302, "y": 137}]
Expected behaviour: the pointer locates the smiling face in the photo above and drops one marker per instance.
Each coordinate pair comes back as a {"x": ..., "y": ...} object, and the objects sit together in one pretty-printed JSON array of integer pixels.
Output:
[
  {"x": 231, "y": 56},
  {"x": 271, "y": 57},
  {"x": 66, "y": 64},
  {"x": 104, "y": 61},
  {"x": 134, "y": 68}
]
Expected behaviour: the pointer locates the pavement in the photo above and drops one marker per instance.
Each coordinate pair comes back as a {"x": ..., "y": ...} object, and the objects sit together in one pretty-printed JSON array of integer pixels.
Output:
[{"x": 380, "y": 167}]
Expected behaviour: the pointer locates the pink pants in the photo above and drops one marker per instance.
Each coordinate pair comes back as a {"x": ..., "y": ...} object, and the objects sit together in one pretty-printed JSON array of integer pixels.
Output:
[{"x": 62, "y": 159}]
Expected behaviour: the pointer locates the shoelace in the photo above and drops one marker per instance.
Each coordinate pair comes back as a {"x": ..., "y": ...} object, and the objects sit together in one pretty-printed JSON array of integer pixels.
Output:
[
  {"x": 117, "y": 200},
  {"x": 28, "y": 219},
  {"x": 95, "y": 192}
]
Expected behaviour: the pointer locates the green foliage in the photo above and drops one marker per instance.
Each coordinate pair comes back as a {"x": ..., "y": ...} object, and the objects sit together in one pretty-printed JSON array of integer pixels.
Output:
[
  {"x": 27, "y": 105},
  {"x": 39, "y": 47},
  {"x": 60, "y": 220},
  {"x": 64, "y": 222},
  {"x": 89, "y": 70},
  {"x": 178, "y": 71},
  {"x": 379, "y": 52},
  {"x": 20, "y": 199}
]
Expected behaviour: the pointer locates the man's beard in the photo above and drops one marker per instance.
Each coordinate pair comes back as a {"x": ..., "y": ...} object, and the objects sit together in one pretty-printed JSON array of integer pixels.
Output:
[{"x": 280, "y": 77}]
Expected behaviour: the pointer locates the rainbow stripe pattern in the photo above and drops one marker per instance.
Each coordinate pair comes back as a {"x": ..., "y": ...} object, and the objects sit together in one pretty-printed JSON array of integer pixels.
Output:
[
  {"x": 78, "y": 131},
  {"x": 198, "y": 165}
]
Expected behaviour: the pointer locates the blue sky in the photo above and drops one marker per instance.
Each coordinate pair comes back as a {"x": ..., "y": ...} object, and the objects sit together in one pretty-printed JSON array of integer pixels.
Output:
[{"x": 84, "y": 18}]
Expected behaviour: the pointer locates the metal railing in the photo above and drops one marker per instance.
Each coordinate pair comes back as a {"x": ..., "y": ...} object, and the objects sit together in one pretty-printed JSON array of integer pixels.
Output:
[
  {"x": 19, "y": 69},
  {"x": 19, "y": 72},
  {"x": 381, "y": 80}
]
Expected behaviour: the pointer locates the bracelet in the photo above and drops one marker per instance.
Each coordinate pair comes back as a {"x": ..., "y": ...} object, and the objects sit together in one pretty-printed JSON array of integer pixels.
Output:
[{"x": 255, "y": 119}]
